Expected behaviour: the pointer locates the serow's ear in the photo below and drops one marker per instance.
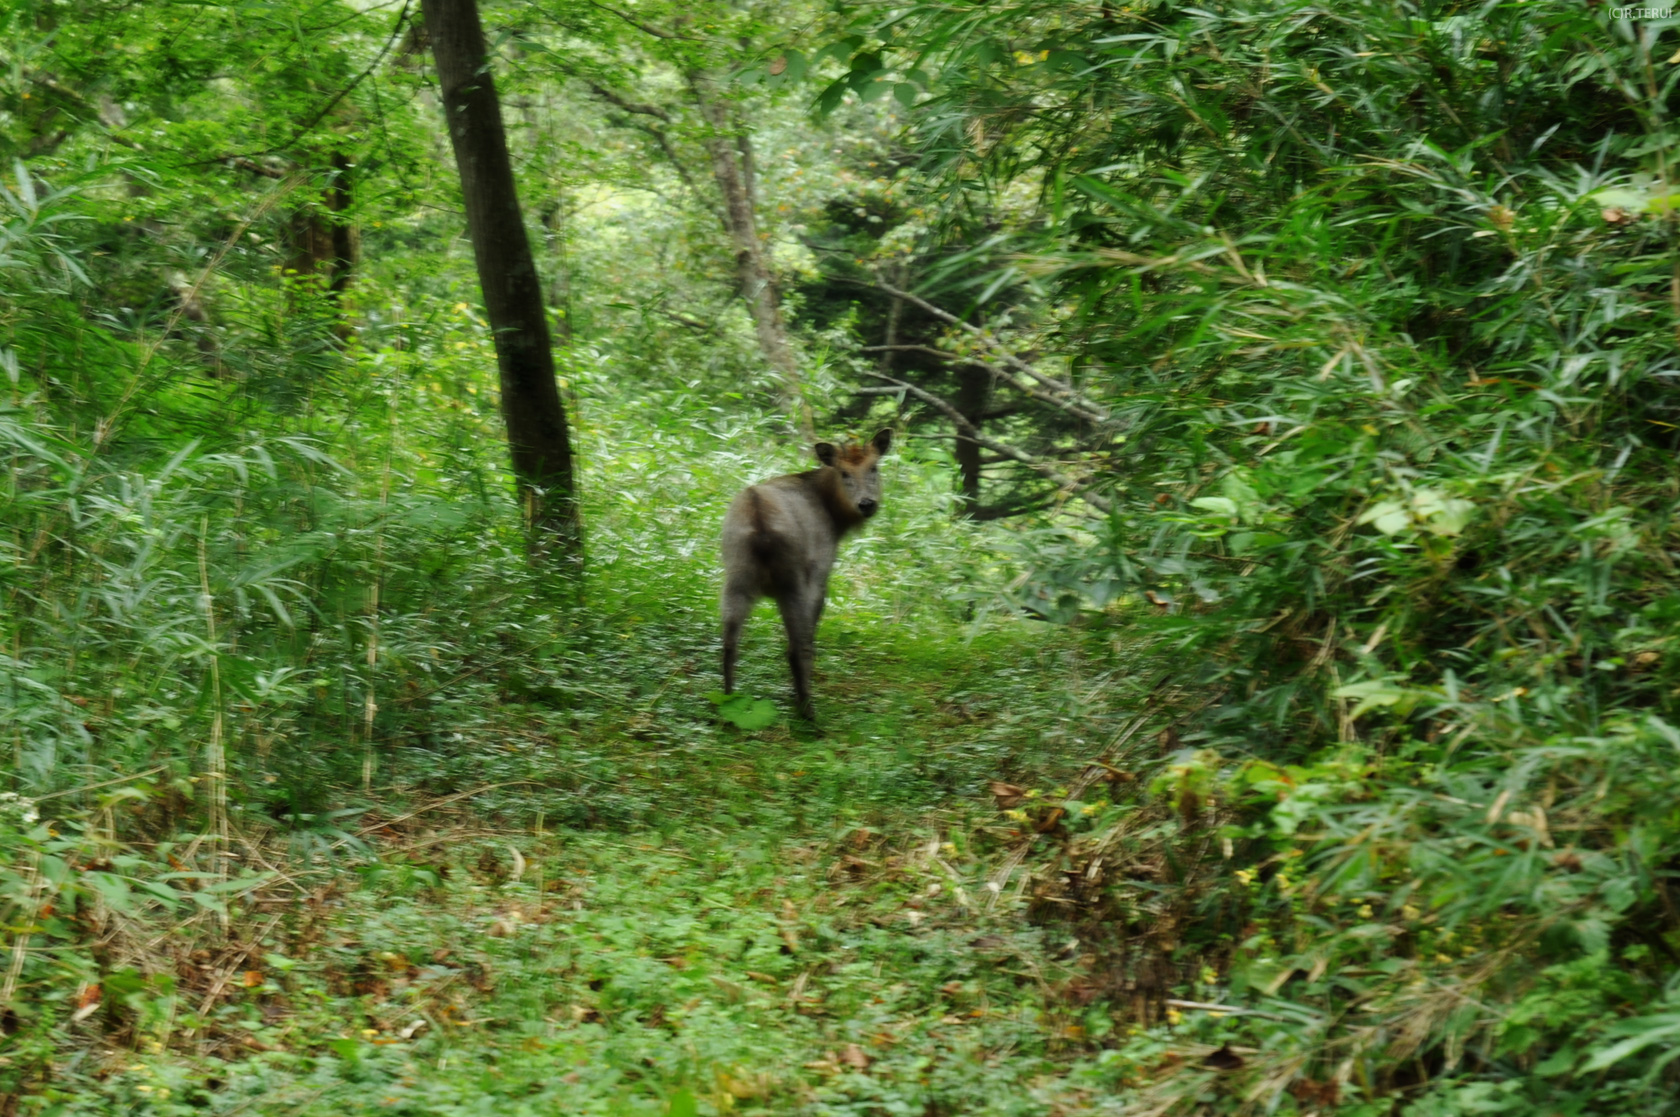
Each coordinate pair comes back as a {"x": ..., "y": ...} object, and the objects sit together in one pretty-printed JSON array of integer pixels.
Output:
[
  {"x": 826, "y": 453},
  {"x": 882, "y": 441}
]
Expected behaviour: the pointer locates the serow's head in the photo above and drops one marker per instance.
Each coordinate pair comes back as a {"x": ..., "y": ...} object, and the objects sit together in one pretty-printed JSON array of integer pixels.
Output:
[{"x": 859, "y": 469}]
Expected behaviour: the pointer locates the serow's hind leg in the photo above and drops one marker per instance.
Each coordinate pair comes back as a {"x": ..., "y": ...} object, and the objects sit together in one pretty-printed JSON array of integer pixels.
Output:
[
  {"x": 799, "y": 622},
  {"x": 737, "y": 605}
]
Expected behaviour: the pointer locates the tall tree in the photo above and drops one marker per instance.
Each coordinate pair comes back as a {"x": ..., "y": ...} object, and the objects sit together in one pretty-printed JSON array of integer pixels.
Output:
[
  {"x": 729, "y": 146},
  {"x": 538, "y": 438},
  {"x": 640, "y": 65}
]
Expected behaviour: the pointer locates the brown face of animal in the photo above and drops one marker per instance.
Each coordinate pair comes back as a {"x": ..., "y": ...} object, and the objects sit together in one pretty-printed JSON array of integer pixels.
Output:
[{"x": 859, "y": 469}]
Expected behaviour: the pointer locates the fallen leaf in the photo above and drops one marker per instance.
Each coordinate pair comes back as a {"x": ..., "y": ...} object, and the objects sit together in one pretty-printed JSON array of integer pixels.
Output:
[
  {"x": 87, "y": 1002},
  {"x": 855, "y": 1056},
  {"x": 1308, "y": 1092},
  {"x": 1007, "y": 794}
]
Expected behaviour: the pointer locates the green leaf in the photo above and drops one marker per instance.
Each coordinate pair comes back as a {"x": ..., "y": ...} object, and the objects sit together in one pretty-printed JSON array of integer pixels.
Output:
[
  {"x": 1223, "y": 505},
  {"x": 114, "y": 891},
  {"x": 162, "y": 892},
  {"x": 745, "y": 712},
  {"x": 124, "y": 982},
  {"x": 26, "y": 184},
  {"x": 1619, "y": 199},
  {"x": 1245, "y": 541},
  {"x": 1441, "y": 515},
  {"x": 209, "y": 902},
  {"x": 1650, "y": 1029},
  {"x": 1389, "y": 517},
  {"x": 1371, "y": 695},
  {"x": 829, "y": 99}
]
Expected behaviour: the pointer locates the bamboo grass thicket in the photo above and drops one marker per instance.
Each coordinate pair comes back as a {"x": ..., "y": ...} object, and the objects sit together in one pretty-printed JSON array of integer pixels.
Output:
[{"x": 1381, "y": 299}]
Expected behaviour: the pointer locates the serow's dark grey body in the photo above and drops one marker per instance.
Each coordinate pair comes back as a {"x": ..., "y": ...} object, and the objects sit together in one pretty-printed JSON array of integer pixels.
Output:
[{"x": 779, "y": 541}]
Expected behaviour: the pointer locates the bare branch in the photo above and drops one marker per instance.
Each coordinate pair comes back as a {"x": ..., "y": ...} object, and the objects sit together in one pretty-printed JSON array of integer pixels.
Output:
[
  {"x": 664, "y": 141},
  {"x": 641, "y": 108},
  {"x": 83, "y": 105},
  {"x": 685, "y": 320},
  {"x": 928, "y": 349},
  {"x": 984, "y": 338},
  {"x": 645, "y": 28},
  {"x": 331, "y": 103},
  {"x": 968, "y": 431},
  {"x": 241, "y": 163},
  {"x": 1002, "y": 374},
  {"x": 605, "y": 93},
  {"x": 1004, "y": 511}
]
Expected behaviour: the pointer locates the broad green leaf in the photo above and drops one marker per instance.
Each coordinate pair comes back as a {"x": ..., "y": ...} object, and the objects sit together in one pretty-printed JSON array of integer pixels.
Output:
[
  {"x": 1648, "y": 1029},
  {"x": 1370, "y": 695},
  {"x": 1389, "y": 517},
  {"x": 113, "y": 890},
  {"x": 745, "y": 712}
]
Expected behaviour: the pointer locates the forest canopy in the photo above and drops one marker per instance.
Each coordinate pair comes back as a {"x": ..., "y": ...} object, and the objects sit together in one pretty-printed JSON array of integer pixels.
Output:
[{"x": 1258, "y": 691}]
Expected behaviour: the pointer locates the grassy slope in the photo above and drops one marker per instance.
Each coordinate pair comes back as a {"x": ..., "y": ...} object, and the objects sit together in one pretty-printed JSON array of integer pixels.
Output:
[
  {"x": 398, "y": 960},
  {"x": 803, "y": 926}
]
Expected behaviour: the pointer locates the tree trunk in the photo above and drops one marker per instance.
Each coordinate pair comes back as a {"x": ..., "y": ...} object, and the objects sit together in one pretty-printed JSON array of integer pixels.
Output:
[
  {"x": 325, "y": 243},
  {"x": 732, "y": 167},
  {"x": 346, "y": 239},
  {"x": 538, "y": 438},
  {"x": 974, "y": 392}
]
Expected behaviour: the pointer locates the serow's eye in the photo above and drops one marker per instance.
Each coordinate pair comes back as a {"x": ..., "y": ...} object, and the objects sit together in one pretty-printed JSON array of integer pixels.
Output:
[{"x": 846, "y": 475}]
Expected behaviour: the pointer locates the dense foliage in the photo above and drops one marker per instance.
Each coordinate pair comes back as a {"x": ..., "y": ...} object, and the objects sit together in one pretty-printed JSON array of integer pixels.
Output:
[
  {"x": 1316, "y": 363},
  {"x": 1380, "y": 297}
]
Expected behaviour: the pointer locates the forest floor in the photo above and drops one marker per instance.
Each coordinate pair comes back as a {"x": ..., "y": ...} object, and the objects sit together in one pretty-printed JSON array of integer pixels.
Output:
[{"x": 793, "y": 923}]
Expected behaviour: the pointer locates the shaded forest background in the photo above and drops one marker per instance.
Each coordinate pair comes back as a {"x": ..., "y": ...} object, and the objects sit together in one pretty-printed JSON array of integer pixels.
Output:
[{"x": 1258, "y": 693}]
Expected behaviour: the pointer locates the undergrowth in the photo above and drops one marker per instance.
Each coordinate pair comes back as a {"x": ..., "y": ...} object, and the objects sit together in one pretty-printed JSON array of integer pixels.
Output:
[
  {"x": 1329, "y": 769},
  {"x": 324, "y": 798}
]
